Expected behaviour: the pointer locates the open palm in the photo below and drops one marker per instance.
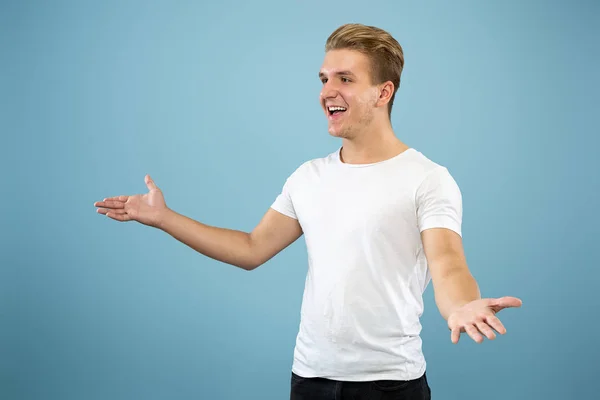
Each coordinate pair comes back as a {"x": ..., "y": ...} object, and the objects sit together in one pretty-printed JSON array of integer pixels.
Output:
[
  {"x": 478, "y": 318},
  {"x": 144, "y": 208}
]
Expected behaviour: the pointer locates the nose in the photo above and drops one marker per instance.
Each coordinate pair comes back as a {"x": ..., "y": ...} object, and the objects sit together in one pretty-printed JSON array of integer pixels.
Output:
[{"x": 329, "y": 90}]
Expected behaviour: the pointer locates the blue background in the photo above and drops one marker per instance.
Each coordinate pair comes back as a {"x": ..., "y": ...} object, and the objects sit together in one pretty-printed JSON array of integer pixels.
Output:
[{"x": 219, "y": 103}]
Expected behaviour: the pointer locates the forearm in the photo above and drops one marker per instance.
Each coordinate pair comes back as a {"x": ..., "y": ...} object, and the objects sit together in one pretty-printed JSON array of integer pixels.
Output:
[
  {"x": 455, "y": 289},
  {"x": 225, "y": 245}
]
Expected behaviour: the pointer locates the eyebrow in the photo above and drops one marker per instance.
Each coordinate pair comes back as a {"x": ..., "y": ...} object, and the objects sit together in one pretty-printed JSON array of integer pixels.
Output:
[{"x": 338, "y": 73}]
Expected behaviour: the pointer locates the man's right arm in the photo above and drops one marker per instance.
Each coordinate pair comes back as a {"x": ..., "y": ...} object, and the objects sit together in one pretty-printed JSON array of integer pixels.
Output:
[{"x": 273, "y": 233}]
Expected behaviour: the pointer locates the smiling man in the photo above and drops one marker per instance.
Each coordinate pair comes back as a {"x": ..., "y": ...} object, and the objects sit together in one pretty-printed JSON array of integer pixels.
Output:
[{"x": 380, "y": 221}]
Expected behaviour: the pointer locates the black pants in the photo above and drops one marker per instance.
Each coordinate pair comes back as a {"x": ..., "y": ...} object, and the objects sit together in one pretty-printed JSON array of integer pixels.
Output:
[{"x": 326, "y": 389}]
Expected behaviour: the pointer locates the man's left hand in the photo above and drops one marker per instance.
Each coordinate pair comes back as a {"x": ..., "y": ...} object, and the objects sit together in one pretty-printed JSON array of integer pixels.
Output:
[{"x": 478, "y": 318}]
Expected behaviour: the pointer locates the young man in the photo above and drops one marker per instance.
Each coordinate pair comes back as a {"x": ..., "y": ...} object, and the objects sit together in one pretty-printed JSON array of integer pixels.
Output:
[{"x": 379, "y": 219}]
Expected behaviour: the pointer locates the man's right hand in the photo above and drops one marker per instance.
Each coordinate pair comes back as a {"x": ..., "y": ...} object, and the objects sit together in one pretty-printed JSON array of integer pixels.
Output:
[
  {"x": 245, "y": 250},
  {"x": 147, "y": 209}
]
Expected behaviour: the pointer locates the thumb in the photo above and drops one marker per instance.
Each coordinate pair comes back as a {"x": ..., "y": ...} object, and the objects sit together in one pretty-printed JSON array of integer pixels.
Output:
[{"x": 150, "y": 183}]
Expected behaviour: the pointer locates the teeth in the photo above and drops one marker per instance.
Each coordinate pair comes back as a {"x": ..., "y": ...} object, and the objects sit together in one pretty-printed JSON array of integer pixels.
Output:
[{"x": 331, "y": 109}]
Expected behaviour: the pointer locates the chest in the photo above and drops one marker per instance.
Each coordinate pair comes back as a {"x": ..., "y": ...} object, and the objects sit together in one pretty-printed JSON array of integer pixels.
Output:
[{"x": 358, "y": 203}]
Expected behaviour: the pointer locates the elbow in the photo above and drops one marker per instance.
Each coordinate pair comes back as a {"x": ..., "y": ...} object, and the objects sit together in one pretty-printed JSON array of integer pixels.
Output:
[
  {"x": 253, "y": 258},
  {"x": 250, "y": 265}
]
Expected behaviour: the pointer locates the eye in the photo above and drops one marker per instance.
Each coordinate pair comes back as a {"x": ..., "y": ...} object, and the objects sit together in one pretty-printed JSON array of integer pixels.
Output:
[
  {"x": 323, "y": 80},
  {"x": 345, "y": 80}
]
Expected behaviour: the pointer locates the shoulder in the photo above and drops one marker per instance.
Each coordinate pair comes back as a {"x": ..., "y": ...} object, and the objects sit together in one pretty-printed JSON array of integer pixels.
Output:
[
  {"x": 314, "y": 167},
  {"x": 435, "y": 185},
  {"x": 421, "y": 165},
  {"x": 427, "y": 171}
]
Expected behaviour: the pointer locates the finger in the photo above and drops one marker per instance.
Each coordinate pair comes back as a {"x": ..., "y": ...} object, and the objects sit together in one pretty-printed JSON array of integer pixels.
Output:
[
  {"x": 495, "y": 323},
  {"x": 150, "y": 183},
  {"x": 117, "y": 198},
  {"x": 117, "y": 211},
  {"x": 455, "y": 335},
  {"x": 118, "y": 217},
  {"x": 110, "y": 204},
  {"x": 474, "y": 333},
  {"x": 486, "y": 330},
  {"x": 506, "y": 301}
]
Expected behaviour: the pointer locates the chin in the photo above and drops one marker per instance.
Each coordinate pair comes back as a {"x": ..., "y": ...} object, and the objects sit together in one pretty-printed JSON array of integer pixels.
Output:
[
  {"x": 340, "y": 133},
  {"x": 337, "y": 131}
]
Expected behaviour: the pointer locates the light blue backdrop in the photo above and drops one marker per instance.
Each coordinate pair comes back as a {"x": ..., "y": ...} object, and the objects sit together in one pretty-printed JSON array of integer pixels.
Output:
[{"x": 218, "y": 101}]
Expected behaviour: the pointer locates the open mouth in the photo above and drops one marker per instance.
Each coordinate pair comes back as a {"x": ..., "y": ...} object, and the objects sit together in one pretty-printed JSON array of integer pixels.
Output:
[{"x": 336, "y": 110}]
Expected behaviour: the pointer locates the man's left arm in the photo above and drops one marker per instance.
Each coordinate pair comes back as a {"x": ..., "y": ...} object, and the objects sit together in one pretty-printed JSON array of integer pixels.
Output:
[{"x": 457, "y": 294}]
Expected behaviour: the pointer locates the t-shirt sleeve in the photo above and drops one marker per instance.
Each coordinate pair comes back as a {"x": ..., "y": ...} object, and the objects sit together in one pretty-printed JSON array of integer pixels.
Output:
[
  {"x": 439, "y": 202},
  {"x": 283, "y": 202}
]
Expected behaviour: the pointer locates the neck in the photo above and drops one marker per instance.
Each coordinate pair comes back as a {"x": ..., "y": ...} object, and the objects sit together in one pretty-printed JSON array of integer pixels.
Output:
[{"x": 373, "y": 144}]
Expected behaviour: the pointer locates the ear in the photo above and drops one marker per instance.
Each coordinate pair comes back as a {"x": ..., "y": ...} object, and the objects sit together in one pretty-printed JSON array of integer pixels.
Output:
[{"x": 386, "y": 91}]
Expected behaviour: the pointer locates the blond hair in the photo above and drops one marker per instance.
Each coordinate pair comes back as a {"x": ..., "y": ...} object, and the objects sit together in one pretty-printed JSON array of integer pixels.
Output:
[{"x": 384, "y": 52}]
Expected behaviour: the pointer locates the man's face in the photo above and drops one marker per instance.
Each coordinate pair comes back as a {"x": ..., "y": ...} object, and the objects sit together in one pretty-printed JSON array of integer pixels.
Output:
[{"x": 347, "y": 83}]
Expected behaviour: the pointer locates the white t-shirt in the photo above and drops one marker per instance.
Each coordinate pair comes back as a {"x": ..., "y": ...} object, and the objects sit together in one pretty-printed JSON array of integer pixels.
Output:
[{"x": 363, "y": 296}]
